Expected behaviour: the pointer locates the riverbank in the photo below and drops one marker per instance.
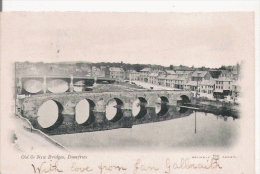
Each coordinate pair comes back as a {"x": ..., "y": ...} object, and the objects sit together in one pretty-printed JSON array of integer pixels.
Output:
[
  {"x": 24, "y": 133},
  {"x": 216, "y": 107}
]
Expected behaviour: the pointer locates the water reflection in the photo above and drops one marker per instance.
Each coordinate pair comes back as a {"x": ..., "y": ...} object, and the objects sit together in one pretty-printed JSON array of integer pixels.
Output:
[
  {"x": 82, "y": 111},
  {"x": 211, "y": 131},
  {"x": 48, "y": 114},
  {"x": 113, "y": 110},
  {"x": 138, "y": 109},
  {"x": 161, "y": 107}
]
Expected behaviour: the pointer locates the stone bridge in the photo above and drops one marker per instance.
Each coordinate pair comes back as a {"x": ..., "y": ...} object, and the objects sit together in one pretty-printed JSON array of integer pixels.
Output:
[
  {"x": 169, "y": 103},
  {"x": 42, "y": 84}
]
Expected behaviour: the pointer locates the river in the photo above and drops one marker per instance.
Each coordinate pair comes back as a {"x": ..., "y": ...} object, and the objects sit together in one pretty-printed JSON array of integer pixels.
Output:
[{"x": 211, "y": 131}]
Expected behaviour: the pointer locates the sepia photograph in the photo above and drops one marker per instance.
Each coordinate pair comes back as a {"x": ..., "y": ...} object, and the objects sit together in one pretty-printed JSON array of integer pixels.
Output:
[
  {"x": 128, "y": 91},
  {"x": 123, "y": 105}
]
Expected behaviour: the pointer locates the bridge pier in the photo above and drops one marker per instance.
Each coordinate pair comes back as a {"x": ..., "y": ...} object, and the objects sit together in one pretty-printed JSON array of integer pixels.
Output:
[
  {"x": 71, "y": 84},
  {"x": 128, "y": 118},
  {"x": 151, "y": 112},
  {"x": 44, "y": 85},
  {"x": 68, "y": 118},
  {"x": 69, "y": 108},
  {"x": 100, "y": 117}
]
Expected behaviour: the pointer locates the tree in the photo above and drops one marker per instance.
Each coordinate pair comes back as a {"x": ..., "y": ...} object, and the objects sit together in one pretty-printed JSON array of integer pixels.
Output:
[
  {"x": 171, "y": 67},
  {"x": 223, "y": 67}
]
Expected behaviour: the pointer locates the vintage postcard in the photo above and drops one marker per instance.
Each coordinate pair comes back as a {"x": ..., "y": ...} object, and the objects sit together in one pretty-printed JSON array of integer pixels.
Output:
[{"x": 111, "y": 92}]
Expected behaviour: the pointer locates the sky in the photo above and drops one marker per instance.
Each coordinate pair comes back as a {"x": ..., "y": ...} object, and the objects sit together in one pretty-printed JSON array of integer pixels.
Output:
[{"x": 208, "y": 39}]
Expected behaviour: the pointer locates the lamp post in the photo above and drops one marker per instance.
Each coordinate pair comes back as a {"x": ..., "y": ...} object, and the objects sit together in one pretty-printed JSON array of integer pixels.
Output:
[
  {"x": 130, "y": 78},
  {"x": 197, "y": 84},
  {"x": 196, "y": 102},
  {"x": 195, "y": 123}
]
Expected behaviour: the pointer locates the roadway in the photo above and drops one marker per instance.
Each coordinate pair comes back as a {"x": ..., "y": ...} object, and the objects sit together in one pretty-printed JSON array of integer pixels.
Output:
[{"x": 155, "y": 87}]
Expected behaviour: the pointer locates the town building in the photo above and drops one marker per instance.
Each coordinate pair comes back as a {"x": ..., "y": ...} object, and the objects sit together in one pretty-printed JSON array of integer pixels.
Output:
[
  {"x": 200, "y": 75},
  {"x": 169, "y": 80},
  {"x": 162, "y": 79},
  {"x": 206, "y": 88},
  {"x": 223, "y": 83},
  {"x": 180, "y": 81},
  {"x": 170, "y": 72},
  {"x": 223, "y": 87},
  {"x": 234, "y": 74},
  {"x": 144, "y": 74},
  {"x": 214, "y": 73},
  {"x": 133, "y": 75},
  {"x": 98, "y": 72},
  {"x": 152, "y": 77},
  {"x": 225, "y": 73},
  {"x": 184, "y": 73},
  {"x": 191, "y": 85},
  {"x": 117, "y": 73}
]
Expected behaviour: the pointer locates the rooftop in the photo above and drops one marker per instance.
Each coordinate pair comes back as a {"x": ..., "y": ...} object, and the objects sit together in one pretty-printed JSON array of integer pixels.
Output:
[
  {"x": 170, "y": 72},
  {"x": 116, "y": 69},
  {"x": 153, "y": 74},
  {"x": 215, "y": 73},
  {"x": 162, "y": 76},
  {"x": 199, "y": 73},
  {"x": 192, "y": 83},
  {"x": 181, "y": 78},
  {"x": 146, "y": 70},
  {"x": 171, "y": 77}
]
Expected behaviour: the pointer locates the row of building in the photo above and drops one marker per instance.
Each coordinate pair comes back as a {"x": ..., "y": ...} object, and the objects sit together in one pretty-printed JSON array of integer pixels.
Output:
[{"x": 213, "y": 82}]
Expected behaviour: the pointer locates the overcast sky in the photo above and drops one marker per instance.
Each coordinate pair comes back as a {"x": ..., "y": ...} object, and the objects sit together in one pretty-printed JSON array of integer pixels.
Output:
[{"x": 199, "y": 39}]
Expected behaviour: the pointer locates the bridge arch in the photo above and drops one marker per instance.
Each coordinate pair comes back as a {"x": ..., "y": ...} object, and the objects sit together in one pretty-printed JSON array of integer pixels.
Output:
[
  {"x": 114, "y": 110},
  {"x": 32, "y": 86},
  {"x": 162, "y": 106},
  {"x": 84, "y": 114},
  {"x": 183, "y": 100},
  {"x": 57, "y": 86},
  {"x": 139, "y": 107},
  {"x": 50, "y": 115}
]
